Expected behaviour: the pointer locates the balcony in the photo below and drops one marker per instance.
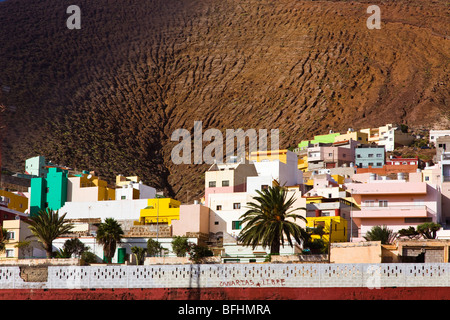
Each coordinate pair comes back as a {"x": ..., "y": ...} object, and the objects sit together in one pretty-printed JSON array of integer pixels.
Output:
[{"x": 419, "y": 211}]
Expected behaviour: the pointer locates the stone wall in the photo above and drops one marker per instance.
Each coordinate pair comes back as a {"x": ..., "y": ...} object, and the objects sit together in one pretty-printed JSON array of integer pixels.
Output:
[{"x": 234, "y": 276}]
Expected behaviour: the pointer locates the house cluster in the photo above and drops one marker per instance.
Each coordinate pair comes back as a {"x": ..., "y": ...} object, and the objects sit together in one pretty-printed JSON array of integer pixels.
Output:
[{"x": 343, "y": 182}]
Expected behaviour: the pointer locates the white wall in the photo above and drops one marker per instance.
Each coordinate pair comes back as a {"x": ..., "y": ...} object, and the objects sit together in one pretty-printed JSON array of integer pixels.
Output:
[
  {"x": 225, "y": 216},
  {"x": 127, "y": 243},
  {"x": 117, "y": 209}
]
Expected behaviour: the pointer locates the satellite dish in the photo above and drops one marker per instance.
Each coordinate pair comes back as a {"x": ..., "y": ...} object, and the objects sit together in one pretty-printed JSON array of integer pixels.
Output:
[{"x": 89, "y": 176}]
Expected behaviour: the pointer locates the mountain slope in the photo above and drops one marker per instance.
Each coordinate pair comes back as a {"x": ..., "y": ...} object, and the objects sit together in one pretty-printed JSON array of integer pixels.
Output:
[{"x": 108, "y": 97}]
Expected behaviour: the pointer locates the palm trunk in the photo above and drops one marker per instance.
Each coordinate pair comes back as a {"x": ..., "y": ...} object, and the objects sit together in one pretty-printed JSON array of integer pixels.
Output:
[
  {"x": 275, "y": 247},
  {"x": 49, "y": 251}
]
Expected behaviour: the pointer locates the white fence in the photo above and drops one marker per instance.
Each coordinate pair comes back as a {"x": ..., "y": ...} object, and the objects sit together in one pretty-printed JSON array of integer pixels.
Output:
[{"x": 235, "y": 275}]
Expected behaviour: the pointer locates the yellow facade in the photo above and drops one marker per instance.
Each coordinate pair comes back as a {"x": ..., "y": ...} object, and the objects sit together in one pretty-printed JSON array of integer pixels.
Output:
[
  {"x": 15, "y": 202},
  {"x": 337, "y": 226},
  {"x": 104, "y": 192},
  {"x": 121, "y": 180},
  {"x": 270, "y": 155},
  {"x": 360, "y": 136},
  {"x": 303, "y": 164},
  {"x": 161, "y": 211}
]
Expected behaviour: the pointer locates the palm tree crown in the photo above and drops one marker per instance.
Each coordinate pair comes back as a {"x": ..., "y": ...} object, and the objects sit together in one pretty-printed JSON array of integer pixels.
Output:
[
  {"x": 46, "y": 226},
  {"x": 266, "y": 222},
  {"x": 109, "y": 233}
]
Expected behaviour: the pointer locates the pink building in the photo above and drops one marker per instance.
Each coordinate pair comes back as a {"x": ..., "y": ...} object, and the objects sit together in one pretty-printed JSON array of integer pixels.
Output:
[
  {"x": 194, "y": 222},
  {"x": 228, "y": 178},
  {"x": 397, "y": 204}
]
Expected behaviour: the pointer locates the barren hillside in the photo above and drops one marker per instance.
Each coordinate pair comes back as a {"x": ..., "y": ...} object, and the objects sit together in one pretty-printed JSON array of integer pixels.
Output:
[{"x": 108, "y": 97}]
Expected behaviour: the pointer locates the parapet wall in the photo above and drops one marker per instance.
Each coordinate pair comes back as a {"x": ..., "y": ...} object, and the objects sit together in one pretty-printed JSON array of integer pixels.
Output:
[{"x": 233, "y": 276}]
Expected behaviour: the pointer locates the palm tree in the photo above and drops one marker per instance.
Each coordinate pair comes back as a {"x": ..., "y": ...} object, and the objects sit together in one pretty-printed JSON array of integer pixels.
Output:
[
  {"x": 46, "y": 226},
  {"x": 383, "y": 234},
  {"x": 3, "y": 239},
  {"x": 266, "y": 222},
  {"x": 109, "y": 233}
]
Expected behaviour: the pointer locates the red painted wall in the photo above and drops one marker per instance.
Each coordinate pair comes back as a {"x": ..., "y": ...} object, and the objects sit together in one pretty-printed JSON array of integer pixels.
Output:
[{"x": 413, "y": 293}]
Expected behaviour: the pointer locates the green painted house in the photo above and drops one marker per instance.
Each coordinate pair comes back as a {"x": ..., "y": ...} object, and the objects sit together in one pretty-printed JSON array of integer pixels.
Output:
[{"x": 49, "y": 192}]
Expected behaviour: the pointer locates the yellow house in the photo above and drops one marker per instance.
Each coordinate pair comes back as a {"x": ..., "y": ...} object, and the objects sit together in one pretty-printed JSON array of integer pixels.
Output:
[
  {"x": 122, "y": 181},
  {"x": 270, "y": 155},
  {"x": 360, "y": 136},
  {"x": 17, "y": 231},
  {"x": 161, "y": 211},
  {"x": 14, "y": 201},
  {"x": 335, "y": 226},
  {"x": 86, "y": 187},
  {"x": 303, "y": 164}
]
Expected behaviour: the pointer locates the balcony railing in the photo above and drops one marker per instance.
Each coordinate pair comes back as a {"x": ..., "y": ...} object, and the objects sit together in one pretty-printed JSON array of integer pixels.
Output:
[{"x": 394, "y": 211}]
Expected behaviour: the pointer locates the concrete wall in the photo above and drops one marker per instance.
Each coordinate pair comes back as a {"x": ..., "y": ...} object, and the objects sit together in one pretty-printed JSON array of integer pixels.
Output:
[
  {"x": 235, "y": 276},
  {"x": 356, "y": 252},
  {"x": 226, "y": 294}
]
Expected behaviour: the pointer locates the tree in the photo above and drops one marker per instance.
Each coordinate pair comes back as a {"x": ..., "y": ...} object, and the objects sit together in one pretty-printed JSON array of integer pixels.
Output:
[
  {"x": 139, "y": 253},
  {"x": 266, "y": 222},
  {"x": 46, "y": 226},
  {"x": 75, "y": 247},
  {"x": 409, "y": 233},
  {"x": 154, "y": 248},
  {"x": 109, "y": 233},
  {"x": 428, "y": 229},
  {"x": 383, "y": 234},
  {"x": 198, "y": 252},
  {"x": 180, "y": 246}
]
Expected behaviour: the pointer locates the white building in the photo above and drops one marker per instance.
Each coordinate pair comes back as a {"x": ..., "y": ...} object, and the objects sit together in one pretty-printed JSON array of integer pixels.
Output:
[
  {"x": 135, "y": 190},
  {"x": 117, "y": 209},
  {"x": 286, "y": 174},
  {"x": 435, "y": 134}
]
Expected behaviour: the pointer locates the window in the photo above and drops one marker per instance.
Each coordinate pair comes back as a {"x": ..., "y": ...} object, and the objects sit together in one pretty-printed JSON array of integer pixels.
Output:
[
  {"x": 216, "y": 223},
  {"x": 212, "y": 184},
  {"x": 379, "y": 164},
  {"x": 369, "y": 203},
  {"x": 225, "y": 183},
  {"x": 9, "y": 253},
  {"x": 379, "y": 155},
  {"x": 47, "y": 190},
  {"x": 330, "y": 195},
  {"x": 370, "y": 155},
  {"x": 10, "y": 235},
  {"x": 319, "y": 223},
  {"x": 123, "y": 197},
  {"x": 371, "y": 164},
  {"x": 417, "y": 220},
  {"x": 382, "y": 203},
  {"x": 236, "y": 205},
  {"x": 358, "y": 156},
  {"x": 264, "y": 187},
  {"x": 236, "y": 225},
  {"x": 427, "y": 178},
  {"x": 219, "y": 207}
]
